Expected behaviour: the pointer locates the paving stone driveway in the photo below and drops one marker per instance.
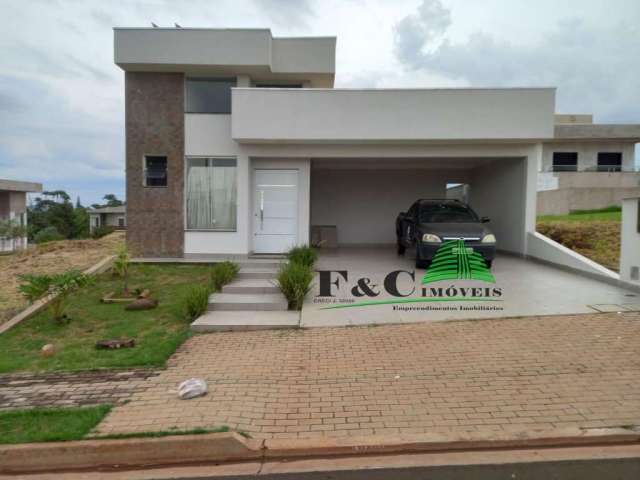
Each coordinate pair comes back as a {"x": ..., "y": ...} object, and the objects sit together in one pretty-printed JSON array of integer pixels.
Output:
[
  {"x": 27, "y": 390},
  {"x": 510, "y": 374}
]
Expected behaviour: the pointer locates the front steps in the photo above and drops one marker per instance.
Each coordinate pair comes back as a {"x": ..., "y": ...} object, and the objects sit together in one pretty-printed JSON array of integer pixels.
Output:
[{"x": 252, "y": 301}]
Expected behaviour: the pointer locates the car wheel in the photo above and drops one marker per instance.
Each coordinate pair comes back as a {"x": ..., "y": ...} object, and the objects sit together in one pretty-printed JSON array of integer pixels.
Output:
[
  {"x": 420, "y": 263},
  {"x": 489, "y": 263},
  {"x": 401, "y": 248}
]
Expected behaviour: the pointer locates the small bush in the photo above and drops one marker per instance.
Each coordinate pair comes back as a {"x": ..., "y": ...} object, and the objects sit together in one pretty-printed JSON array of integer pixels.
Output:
[
  {"x": 121, "y": 267},
  {"x": 61, "y": 285},
  {"x": 304, "y": 254},
  {"x": 47, "y": 234},
  {"x": 101, "y": 231},
  {"x": 294, "y": 280},
  {"x": 195, "y": 301},
  {"x": 222, "y": 273}
]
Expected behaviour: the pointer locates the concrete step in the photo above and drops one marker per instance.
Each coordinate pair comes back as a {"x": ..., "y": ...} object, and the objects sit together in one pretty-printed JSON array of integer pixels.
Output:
[
  {"x": 243, "y": 321},
  {"x": 247, "y": 302},
  {"x": 257, "y": 273},
  {"x": 251, "y": 285}
]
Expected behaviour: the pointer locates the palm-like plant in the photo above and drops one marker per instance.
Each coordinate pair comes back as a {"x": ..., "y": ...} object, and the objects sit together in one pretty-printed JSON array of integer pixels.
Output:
[
  {"x": 59, "y": 286},
  {"x": 121, "y": 267}
]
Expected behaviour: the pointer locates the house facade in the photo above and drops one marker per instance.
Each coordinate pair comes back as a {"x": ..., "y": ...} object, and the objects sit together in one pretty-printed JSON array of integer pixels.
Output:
[
  {"x": 13, "y": 213},
  {"x": 587, "y": 166},
  {"x": 238, "y": 144},
  {"x": 115, "y": 217}
]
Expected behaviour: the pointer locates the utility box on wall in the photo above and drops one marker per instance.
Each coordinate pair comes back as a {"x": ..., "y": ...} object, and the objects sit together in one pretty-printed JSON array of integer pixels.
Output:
[{"x": 630, "y": 241}]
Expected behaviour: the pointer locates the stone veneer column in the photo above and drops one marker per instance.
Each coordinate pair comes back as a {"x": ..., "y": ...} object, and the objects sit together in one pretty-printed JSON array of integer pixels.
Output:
[{"x": 154, "y": 118}]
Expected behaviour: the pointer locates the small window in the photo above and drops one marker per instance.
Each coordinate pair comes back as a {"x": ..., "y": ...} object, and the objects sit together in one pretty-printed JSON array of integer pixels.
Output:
[
  {"x": 207, "y": 95},
  {"x": 120, "y": 222},
  {"x": 609, "y": 161},
  {"x": 155, "y": 171},
  {"x": 565, "y": 161},
  {"x": 211, "y": 194}
]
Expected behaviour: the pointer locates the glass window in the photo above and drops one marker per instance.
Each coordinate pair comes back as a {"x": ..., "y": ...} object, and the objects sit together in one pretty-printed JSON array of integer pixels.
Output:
[
  {"x": 446, "y": 213},
  {"x": 565, "y": 161},
  {"x": 155, "y": 171},
  {"x": 206, "y": 95},
  {"x": 609, "y": 161},
  {"x": 211, "y": 194}
]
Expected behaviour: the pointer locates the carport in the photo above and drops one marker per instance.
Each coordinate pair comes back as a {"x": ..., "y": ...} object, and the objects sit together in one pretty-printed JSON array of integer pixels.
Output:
[{"x": 361, "y": 197}]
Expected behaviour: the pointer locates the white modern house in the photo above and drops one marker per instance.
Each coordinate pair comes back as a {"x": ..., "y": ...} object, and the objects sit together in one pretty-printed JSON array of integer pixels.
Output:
[
  {"x": 238, "y": 144},
  {"x": 115, "y": 217}
]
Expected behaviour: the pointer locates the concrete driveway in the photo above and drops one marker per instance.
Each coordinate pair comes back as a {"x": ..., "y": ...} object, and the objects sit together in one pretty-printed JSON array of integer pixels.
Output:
[{"x": 527, "y": 288}]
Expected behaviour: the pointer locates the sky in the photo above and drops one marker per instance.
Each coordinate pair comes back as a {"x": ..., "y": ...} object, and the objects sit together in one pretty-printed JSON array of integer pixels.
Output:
[{"x": 62, "y": 98}]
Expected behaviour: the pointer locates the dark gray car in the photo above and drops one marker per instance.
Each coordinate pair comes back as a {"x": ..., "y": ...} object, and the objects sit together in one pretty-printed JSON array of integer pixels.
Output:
[{"x": 430, "y": 222}]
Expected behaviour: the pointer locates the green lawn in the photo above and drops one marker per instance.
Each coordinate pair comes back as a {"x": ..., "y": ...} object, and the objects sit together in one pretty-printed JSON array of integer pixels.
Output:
[
  {"x": 49, "y": 425},
  {"x": 157, "y": 332},
  {"x": 609, "y": 214}
]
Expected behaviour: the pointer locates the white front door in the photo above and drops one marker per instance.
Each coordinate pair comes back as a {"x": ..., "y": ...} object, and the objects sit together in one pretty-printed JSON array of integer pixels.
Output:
[{"x": 275, "y": 210}]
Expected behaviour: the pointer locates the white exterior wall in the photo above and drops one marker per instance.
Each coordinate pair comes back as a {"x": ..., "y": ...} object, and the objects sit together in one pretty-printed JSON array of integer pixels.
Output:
[
  {"x": 272, "y": 115},
  {"x": 363, "y": 203},
  {"x": 630, "y": 248},
  {"x": 588, "y": 153}
]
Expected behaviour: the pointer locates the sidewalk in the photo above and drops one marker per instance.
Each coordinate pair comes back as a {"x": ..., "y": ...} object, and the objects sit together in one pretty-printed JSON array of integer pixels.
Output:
[
  {"x": 27, "y": 390},
  {"x": 507, "y": 375}
]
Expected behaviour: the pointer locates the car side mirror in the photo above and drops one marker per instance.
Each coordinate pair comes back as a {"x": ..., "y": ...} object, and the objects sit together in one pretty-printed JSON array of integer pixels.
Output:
[{"x": 485, "y": 220}]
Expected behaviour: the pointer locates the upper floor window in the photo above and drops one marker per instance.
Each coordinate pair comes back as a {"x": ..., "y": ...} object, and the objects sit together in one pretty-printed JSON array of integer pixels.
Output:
[
  {"x": 609, "y": 161},
  {"x": 155, "y": 171},
  {"x": 565, "y": 161},
  {"x": 209, "y": 95}
]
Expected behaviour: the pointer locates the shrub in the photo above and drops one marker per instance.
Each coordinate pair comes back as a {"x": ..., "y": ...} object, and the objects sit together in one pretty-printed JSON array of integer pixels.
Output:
[
  {"x": 222, "y": 273},
  {"x": 61, "y": 285},
  {"x": 101, "y": 231},
  {"x": 294, "y": 280},
  {"x": 303, "y": 254},
  {"x": 47, "y": 234},
  {"x": 121, "y": 267},
  {"x": 195, "y": 301}
]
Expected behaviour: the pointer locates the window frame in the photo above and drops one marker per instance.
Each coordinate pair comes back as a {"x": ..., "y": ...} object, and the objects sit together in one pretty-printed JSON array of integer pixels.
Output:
[
  {"x": 144, "y": 170},
  {"x": 184, "y": 200},
  {"x": 609, "y": 168},
  {"x": 233, "y": 80},
  {"x": 553, "y": 162}
]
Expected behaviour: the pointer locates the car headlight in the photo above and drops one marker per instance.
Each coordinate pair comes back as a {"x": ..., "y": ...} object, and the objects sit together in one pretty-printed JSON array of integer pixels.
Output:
[
  {"x": 489, "y": 238},
  {"x": 431, "y": 238}
]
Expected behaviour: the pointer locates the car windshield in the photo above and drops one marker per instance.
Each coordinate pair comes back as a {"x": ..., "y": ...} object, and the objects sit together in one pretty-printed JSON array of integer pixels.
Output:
[{"x": 446, "y": 213}]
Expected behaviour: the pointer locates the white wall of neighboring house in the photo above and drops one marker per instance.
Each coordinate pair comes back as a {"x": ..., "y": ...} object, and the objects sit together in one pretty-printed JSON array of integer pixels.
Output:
[
  {"x": 630, "y": 241},
  {"x": 588, "y": 153}
]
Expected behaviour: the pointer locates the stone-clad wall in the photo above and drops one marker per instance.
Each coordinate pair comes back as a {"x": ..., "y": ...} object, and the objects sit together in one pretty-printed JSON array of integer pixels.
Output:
[{"x": 155, "y": 126}]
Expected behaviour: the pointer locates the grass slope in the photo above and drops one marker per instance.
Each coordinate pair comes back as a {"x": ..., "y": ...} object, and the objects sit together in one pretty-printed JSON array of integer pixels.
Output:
[
  {"x": 49, "y": 425},
  {"x": 157, "y": 332},
  {"x": 592, "y": 233}
]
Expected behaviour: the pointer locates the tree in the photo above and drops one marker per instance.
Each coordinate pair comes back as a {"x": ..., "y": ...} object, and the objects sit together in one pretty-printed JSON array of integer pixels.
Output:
[
  {"x": 112, "y": 200},
  {"x": 53, "y": 209}
]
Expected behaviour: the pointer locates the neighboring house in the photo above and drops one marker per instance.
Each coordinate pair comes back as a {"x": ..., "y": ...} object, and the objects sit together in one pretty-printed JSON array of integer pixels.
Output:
[
  {"x": 115, "y": 217},
  {"x": 237, "y": 143},
  {"x": 13, "y": 208},
  {"x": 587, "y": 166}
]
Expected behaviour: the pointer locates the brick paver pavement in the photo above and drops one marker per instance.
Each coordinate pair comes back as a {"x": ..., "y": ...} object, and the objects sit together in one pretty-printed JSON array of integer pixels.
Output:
[
  {"x": 510, "y": 374},
  {"x": 28, "y": 390}
]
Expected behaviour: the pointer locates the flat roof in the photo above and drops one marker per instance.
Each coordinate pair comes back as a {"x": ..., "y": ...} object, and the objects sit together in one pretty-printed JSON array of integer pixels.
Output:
[
  {"x": 19, "y": 186},
  {"x": 118, "y": 209}
]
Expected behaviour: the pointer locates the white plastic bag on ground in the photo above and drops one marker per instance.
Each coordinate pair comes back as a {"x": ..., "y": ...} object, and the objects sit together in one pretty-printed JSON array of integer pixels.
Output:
[{"x": 194, "y": 387}]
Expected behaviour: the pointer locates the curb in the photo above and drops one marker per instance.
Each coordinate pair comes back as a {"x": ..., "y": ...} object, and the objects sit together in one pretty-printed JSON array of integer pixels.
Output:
[
  {"x": 38, "y": 305},
  {"x": 232, "y": 447}
]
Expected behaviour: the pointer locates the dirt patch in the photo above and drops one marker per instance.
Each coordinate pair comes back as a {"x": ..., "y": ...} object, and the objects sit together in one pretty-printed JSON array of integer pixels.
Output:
[
  {"x": 52, "y": 257},
  {"x": 597, "y": 240}
]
